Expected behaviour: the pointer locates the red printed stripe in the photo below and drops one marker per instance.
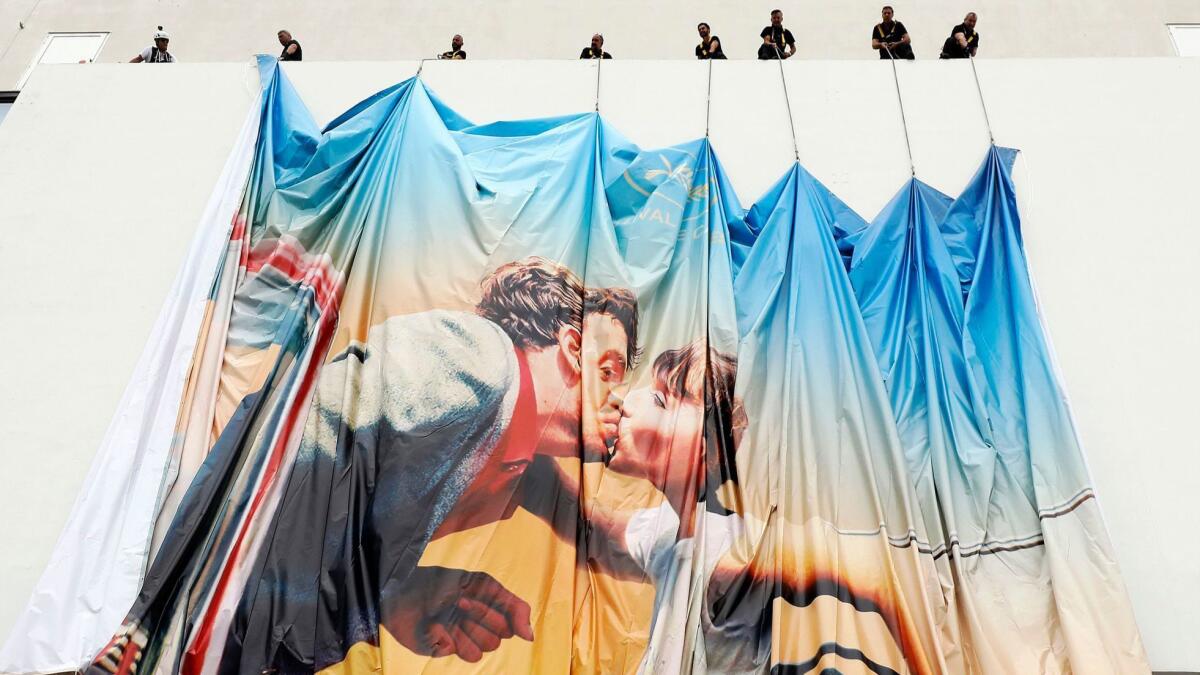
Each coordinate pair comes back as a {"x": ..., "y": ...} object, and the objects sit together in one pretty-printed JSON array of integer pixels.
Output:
[
  {"x": 239, "y": 227},
  {"x": 193, "y": 661},
  {"x": 286, "y": 256}
]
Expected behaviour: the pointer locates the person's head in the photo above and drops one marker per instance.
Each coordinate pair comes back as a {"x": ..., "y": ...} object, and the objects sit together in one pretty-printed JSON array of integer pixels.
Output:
[
  {"x": 887, "y": 13},
  {"x": 597, "y": 41},
  {"x": 578, "y": 343},
  {"x": 703, "y": 29},
  {"x": 969, "y": 20},
  {"x": 662, "y": 431},
  {"x": 161, "y": 39},
  {"x": 777, "y": 17},
  {"x": 456, "y": 42},
  {"x": 284, "y": 37}
]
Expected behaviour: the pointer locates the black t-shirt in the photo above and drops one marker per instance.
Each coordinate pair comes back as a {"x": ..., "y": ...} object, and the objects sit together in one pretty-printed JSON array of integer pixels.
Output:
[
  {"x": 589, "y": 53},
  {"x": 893, "y": 33},
  {"x": 456, "y": 55},
  {"x": 780, "y": 36},
  {"x": 718, "y": 53},
  {"x": 952, "y": 50},
  {"x": 298, "y": 56}
]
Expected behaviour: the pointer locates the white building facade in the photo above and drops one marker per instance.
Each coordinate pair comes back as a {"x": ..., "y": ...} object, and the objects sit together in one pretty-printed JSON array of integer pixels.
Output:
[{"x": 108, "y": 166}]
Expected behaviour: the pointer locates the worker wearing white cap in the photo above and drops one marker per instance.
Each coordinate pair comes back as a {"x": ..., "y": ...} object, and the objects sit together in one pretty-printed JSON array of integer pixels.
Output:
[{"x": 158, "y": 53}]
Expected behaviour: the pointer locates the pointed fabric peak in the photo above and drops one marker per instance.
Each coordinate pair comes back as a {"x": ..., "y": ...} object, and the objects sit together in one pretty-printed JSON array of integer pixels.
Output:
[
  {"x": 974, "y": 500},
  {"x": 910, "y": 302},
  {"x": 287, "y": 129},
  {"x": 1008, "y": 353},
  {"x": 796, "y": 192},
  {"x": 960, "y": 226},
  {"x": 826, "y": 473}
]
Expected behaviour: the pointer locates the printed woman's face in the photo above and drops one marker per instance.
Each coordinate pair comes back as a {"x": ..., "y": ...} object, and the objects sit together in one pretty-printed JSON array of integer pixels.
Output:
[{"x": 659, "y": 435}]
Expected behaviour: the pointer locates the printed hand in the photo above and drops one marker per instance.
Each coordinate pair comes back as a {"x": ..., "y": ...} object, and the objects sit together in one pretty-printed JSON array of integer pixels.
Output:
[{"x": 443, "y": 611}]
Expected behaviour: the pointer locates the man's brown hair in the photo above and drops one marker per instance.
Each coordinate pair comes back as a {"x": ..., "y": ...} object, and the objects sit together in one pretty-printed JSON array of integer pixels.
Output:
[
  {"x": 620, "y": 304},
  {"x": 532, "y": 299}
]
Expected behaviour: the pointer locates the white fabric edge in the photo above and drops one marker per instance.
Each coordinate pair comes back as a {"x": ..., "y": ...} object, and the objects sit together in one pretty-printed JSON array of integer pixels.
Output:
[{"x": 97, "y": 565}]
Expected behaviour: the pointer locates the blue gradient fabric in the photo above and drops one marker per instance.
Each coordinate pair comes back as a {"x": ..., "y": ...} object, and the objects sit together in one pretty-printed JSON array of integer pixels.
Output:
[{"x": 526, "y": 397}]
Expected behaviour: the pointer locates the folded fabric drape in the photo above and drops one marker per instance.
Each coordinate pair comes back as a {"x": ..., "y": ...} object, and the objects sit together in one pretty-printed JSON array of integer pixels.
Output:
[{"x": 524, "y": 397}]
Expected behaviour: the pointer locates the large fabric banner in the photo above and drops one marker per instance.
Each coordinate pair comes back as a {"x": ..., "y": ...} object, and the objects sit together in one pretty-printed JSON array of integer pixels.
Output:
[{"x": 526, "y": 398}]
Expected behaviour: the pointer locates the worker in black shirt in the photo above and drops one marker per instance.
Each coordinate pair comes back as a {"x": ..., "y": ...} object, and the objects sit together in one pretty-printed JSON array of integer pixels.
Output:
[
  {"x": 778, "y": 42},
  {"x": 891, "y": 38},
  {"x": 291, "y": 48},
  {"x": 963, "y": 41},
  {"x": 596, "y": 51},
  {"x": 710, "y": 45},
  {"x": 456, "y": 52}
]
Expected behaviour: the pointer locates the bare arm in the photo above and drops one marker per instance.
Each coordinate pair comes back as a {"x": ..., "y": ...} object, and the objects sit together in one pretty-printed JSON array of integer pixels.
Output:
[
  {"x": 136, "y": 59},
  {"x": 876, "y": 44},
  {"x": 905, "y": 39},
  {"x": 291, "y": 49}
]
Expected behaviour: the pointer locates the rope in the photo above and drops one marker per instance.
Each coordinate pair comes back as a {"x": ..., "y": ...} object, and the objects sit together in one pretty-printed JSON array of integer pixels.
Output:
[
  {"x": 708, "y": 99},
  {"x": 420, "y": 67},
  {"x": 982, "y": 104},
  {"x": 253, "y": 82},
  {"x": 787, "y": 99},
  {"x": 904, "y": 121},
  {"x": 599, "y": 62}
]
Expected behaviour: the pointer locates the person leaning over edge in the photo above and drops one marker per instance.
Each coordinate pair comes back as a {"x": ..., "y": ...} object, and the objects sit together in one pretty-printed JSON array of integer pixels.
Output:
[
  {"x": 456, "y": 52},
  {"x": 291, "y": 48},
  {"x": 890, "y": 38},
  {"x": 596, "y": 51},
  {"x": 778, "y": 42},
  {"x": 710, "y": 45},
  {"x": 158, "y": 53},
  {"x": 963, "y": 41}
]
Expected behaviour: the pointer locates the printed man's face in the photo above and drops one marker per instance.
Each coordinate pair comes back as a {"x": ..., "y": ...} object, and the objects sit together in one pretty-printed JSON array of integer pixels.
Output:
[
  {"x": 603, "y": 365},
  {"x": 587, "y": 409}
]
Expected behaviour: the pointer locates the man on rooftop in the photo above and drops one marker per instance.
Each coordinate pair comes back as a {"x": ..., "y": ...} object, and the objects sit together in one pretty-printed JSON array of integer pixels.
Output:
[
  {"x": 158, "y": 53},
  {"x": 291, "y": 48},
  {"x": 710, "y": 45},
  {"x": 456, "y": 52},
  {"x": 596, "y": 51},
  {"x": 890, "y": 38},
  {"x": 778, "y": 42},
  {"x": 963, "y": 41}
]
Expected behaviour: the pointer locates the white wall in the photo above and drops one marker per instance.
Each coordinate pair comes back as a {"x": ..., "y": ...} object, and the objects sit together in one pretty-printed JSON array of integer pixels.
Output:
[{"x": 106, "y": 168}]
